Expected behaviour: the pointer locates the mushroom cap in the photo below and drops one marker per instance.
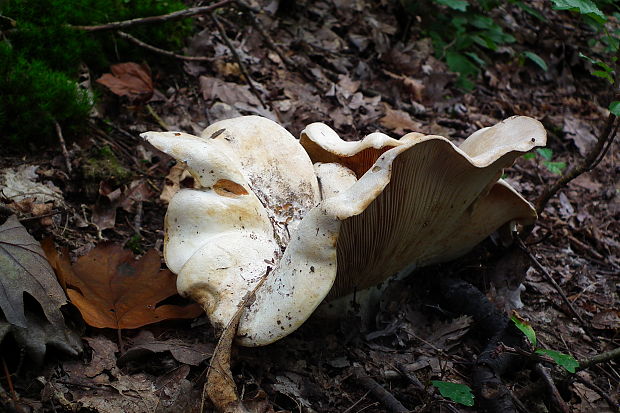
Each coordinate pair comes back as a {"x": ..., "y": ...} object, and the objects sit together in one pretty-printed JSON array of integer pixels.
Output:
[
  {"x": 222, "y": 237},
  {"x": 367, "y": 210}
]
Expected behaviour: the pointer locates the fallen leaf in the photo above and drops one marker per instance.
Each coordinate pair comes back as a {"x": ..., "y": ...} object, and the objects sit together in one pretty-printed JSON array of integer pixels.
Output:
[
  {"x": 114, "y": 290},
  {"x": 129, "y": 79},
  {"x": 18, "y": 184},
  {"x": 220, "y": 386},
  {"x": 580, "y": 133},
  {"x": 607, "y": 320},
  {"x": 184, "y": 352},
  {"x": 40, "y": 334},
  {"x": 29, "y": 206},
  {"x": 228, "y": 92},
  {"x": 24, "y": 269},
  {"x": 104, "y": 211},
  {"x": 178, "y": 177},
  {"x": 399, "y": 121}
]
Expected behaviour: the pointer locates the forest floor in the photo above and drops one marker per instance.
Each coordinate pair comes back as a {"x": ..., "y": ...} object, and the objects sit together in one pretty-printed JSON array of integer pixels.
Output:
[{"x": 360, "y": 67}]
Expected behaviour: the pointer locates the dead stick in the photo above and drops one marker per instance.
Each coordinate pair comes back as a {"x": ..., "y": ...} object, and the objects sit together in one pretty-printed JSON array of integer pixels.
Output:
[
  {"x": 63, "y": 146},
  {"x": 600, "y": 358},
  {"x": 382, "y": 395},
  {"x": 591, "y": 160},
  {"x": 8, "y": 380},
  {"x": 233, "y": 50},
  {"x": 556, "y": 398},
  {"x": 552, "y": 281},
  {"x": 168, "y": 53},
  {"x": 181, "y": 14}
]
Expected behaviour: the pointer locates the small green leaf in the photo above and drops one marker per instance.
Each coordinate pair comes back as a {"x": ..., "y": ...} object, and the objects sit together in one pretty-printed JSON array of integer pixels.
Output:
[
  {"x": 460, "y": 5},
  {"x": 525, "y": 327},
  {"x": 536, "y": 59},
  {"x": 588, "y": 58},
  {"x": 565, "y": 360},
  {"x": 473, "y": 56},
  {"x": 531, "y": 11},
  {"x": 614, "y": 107},
  {"x": 555, "y": 167},
  {"x": 460, "y": 64},
  {"x": 459, "y": 393},
  {"x": 529, "y": 155},
  {"x": 546, "y": 153},
  {"x": 604, "y": 75},
  {"x": 582, "y": 6}
]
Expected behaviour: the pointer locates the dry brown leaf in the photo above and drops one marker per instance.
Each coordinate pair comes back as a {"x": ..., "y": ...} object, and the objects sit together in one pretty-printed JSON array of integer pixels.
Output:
[
  {"x": 104, "y": 211},
  {"x": 580, "y": 133},
  {"x": 178, "y": 177},
  {"x": 129, "y": 79},
  {"x": 228, "y": 92},
  {"x": 113, "y": 290},
  {"x": 399, "y": 121},
  {"x": 220, "y": 386}
]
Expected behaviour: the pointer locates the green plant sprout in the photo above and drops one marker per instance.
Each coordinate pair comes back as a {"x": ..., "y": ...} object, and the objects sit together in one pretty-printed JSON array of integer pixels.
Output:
[
  {"x": 457, "y": 392},
  {"x": 561, "y": 359},
  {"x": 554, "y": 167},
  {"x": 607, "y": 42}
]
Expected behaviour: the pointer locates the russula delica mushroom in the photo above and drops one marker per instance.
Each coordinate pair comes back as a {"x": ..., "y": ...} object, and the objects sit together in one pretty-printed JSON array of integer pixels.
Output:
[{"x": 318, "y": 218}]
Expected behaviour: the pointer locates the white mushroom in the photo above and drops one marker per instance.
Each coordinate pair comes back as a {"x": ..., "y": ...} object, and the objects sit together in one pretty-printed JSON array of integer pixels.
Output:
[{"x": 365, "y": 211}]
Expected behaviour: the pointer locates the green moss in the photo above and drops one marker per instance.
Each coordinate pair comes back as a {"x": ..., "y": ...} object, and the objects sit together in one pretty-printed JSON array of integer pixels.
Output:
[
  {"x": 33, "y": 96},
  {"x": 40, "y": 56},
  {"x": 135, "y": 244},
  {"x": 103, "y": 165}
]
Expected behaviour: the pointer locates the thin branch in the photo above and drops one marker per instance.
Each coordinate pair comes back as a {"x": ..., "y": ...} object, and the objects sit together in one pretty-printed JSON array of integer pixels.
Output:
[
  {"x": 600, "y": 358},
  {"x": 233, "y": 50},
  {"x": 181, "y": 14},
  {"x": 63, "y": 147},
  {"x": 550, "y": 279},
  {"x": 168, "y": 53},
  {"x": 591, "y": 160},
  {"x": 379, "y": 392},
  {"x": 556, "y": 398},
  {"x": 612, "y": 404}
]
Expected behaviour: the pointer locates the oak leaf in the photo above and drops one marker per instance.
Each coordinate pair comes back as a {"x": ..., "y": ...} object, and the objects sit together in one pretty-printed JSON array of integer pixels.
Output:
[
  {"x": 114, "y": 290},
  {"x": 399, "y": 121},
  {"x": 129, "y": 79},
  {"x": 24, "y": 269}
]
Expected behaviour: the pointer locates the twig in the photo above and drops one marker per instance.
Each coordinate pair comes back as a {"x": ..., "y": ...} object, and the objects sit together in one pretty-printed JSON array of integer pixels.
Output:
[
  {"x": 137, "y": 220},
  {"x": 556, "y": 398},
  {"x": 552, "y": 282},
  {"x": 157, "y": 118},
  {"x": 382, "y": 395},
  {"x": 591, "y": 160},
  {"x": 181, "y": 14},
  {"x": 168, "y": 53},
  {"x": 233, "y": 50},
  {"x": 8, "y": 380},
  {"x": 63, "y": 146},
  {"x": 600, "y": 358}
]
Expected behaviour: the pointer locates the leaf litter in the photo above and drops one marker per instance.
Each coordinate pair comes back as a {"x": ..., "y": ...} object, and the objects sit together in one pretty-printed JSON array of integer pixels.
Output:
[
  {"x": 353, "y": 66},
  {"x": 114, "y": 290}
]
